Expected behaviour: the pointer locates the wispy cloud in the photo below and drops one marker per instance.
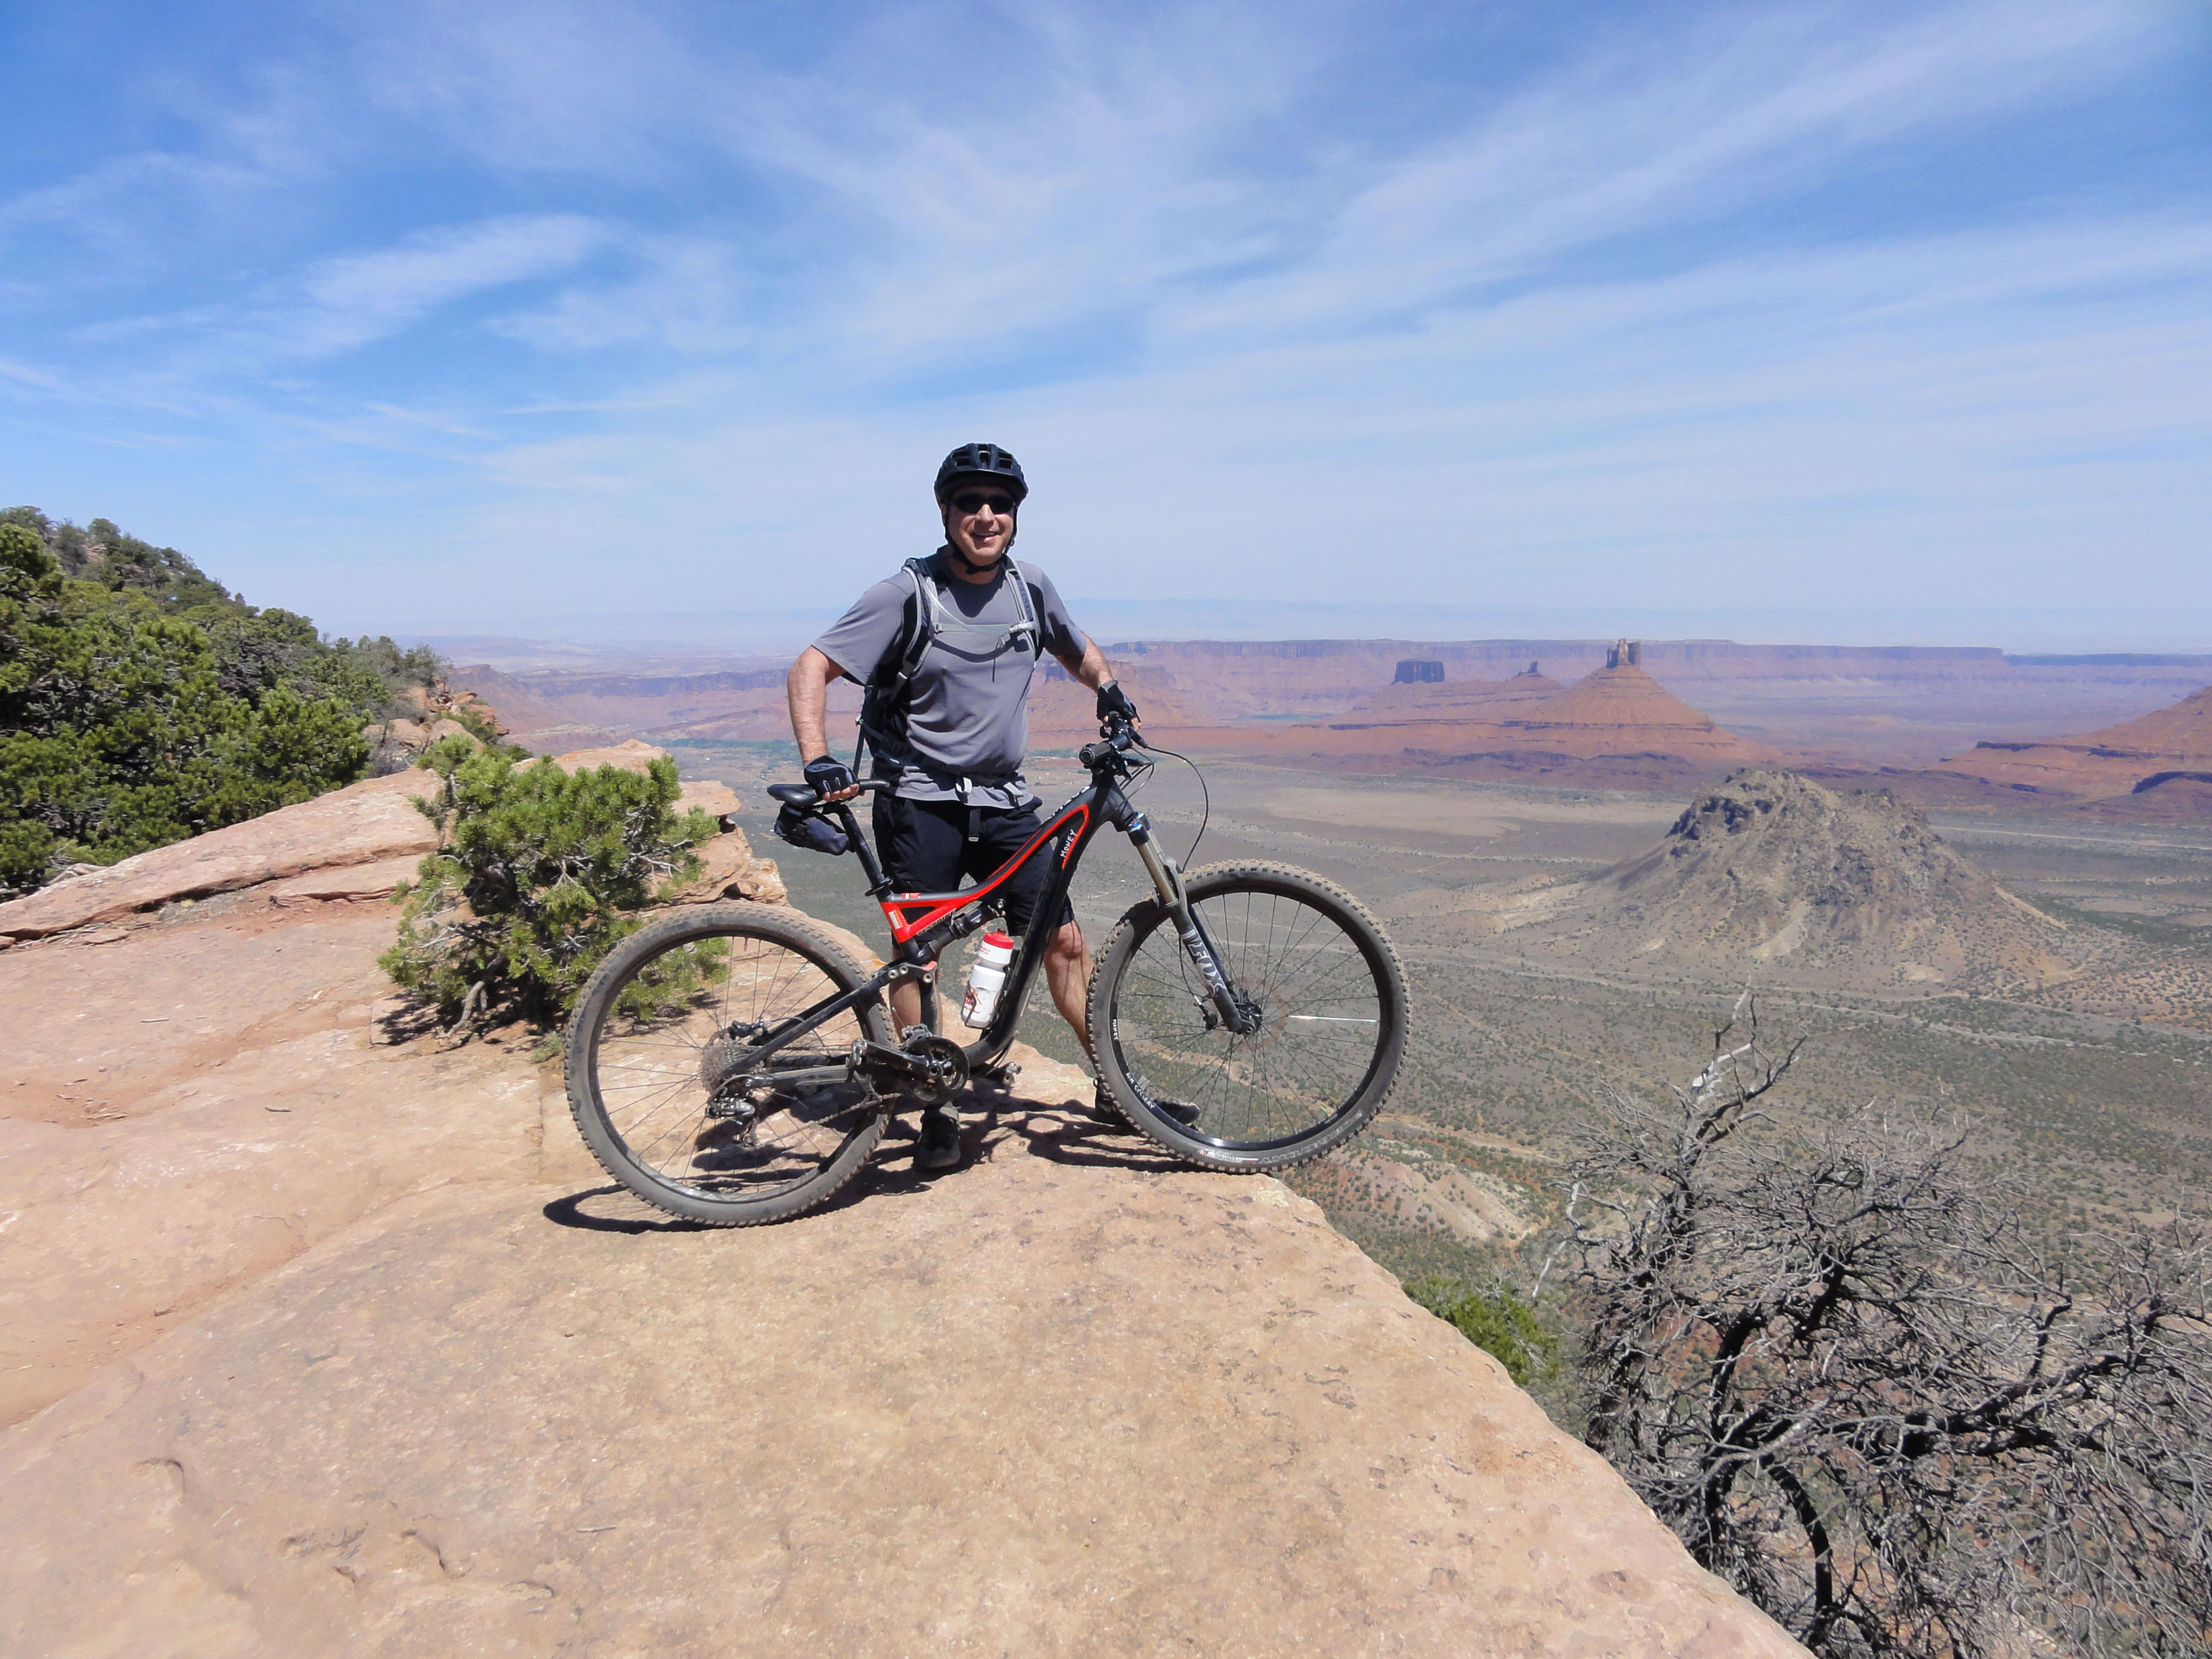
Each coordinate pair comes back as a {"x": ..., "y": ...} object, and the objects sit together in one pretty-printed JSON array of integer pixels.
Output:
[
  {"x": 690, "y": 296},
  {"x": 360, "y": 297},
  {"x": 339, "y": 304},
  {"x": 1614, "y": 299}
]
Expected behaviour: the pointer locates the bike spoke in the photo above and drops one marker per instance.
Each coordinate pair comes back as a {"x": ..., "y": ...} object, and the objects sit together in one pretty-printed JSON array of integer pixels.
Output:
[{"x": 1322, "y": 1011}]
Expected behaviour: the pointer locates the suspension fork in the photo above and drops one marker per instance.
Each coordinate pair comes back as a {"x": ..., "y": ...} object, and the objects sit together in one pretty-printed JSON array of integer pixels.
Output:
[{"x": 1237, "y": 1010}]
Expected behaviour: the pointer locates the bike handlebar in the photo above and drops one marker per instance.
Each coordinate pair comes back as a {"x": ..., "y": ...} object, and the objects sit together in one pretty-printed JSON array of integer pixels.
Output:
[{"x": 1117, "y": 738}]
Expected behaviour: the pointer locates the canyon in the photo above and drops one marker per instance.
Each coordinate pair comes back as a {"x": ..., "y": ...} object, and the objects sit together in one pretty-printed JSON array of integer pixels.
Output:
[{"x": 1672, "y": 714}]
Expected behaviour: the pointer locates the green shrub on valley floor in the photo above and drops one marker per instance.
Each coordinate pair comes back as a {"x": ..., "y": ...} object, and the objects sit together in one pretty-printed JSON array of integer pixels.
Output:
[
  {"x": 542, "y": 874},
  {"x": 1496, "y": 1320}
]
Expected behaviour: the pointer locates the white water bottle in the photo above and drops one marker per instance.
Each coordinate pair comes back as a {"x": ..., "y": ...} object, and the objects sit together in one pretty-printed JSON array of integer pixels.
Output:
[{"x": 986, "y": 976}]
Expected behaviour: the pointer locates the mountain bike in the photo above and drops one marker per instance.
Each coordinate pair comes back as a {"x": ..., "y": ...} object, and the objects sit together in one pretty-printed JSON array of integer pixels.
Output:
[{"x": 736, "y": 1064}]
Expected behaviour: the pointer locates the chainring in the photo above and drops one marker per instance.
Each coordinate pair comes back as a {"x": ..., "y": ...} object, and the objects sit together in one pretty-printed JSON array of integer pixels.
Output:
[{"x": 948, "y": 1066}]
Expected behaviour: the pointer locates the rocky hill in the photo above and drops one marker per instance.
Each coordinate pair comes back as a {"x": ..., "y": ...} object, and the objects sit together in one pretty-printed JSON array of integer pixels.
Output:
[
  {"x": 316, "y": 1337},
  {"x": 1621, "y": 704},
  {"x": 1770, "y": 872}
]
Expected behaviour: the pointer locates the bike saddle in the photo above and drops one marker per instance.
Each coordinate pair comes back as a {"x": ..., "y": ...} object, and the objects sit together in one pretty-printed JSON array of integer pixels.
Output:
[{"x": 794, "y": 794}]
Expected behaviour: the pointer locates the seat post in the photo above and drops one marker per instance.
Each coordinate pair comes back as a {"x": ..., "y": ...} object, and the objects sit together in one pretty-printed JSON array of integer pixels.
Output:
[{"x": 879, "y": 885}]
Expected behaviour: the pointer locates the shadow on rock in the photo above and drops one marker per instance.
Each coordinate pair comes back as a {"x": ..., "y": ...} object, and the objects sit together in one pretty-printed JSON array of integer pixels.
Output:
[
  {"x": 1065, "y": 1136},
  {"x": 614, "y": 1210},
  {"x": 1060, "y": 1135}
]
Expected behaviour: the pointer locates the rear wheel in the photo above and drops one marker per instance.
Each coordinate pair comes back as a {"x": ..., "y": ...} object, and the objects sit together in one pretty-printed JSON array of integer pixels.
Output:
[
  {"x": 1331, "y": 1001},
  {"x": 663, "y": 1087}
]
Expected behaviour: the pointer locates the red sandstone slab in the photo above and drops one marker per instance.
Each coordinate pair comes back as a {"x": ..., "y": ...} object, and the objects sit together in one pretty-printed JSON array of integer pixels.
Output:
[{"x": 372, "y": 820}]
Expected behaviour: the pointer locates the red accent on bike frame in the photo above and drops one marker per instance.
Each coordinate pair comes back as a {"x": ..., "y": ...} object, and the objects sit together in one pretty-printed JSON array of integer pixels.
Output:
[{"x": 938, "y": 906}]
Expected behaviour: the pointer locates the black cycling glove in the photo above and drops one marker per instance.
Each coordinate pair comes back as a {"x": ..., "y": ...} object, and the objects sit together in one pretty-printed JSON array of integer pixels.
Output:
[
  {"x": 827, "y": 775},
  {"x": 1113, "y": 700}
]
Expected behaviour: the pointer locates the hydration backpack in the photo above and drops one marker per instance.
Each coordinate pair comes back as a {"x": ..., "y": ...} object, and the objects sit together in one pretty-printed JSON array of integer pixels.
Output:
[{"x": 885, "y": 701}]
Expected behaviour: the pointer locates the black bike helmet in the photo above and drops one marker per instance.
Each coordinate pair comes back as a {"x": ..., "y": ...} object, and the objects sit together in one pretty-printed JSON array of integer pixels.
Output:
[{"x": 981, "y": 461}]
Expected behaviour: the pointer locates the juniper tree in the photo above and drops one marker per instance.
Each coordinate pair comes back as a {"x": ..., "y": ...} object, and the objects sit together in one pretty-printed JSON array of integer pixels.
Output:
[
  {"x": 541, "y": 874},
  {"x": 142, "y": 702},
  {"x": 116, "y": 733}
]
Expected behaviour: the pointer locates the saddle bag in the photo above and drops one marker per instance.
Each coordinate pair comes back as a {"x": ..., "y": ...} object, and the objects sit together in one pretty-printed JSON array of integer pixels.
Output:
[{"x": 811, "y": 830}]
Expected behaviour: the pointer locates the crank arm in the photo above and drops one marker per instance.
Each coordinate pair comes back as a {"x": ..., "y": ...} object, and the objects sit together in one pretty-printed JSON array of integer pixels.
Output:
[{"x": 879, "y": 1062}]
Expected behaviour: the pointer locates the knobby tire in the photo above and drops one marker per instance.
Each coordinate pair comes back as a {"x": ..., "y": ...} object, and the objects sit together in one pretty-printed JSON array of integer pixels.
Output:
[
  {"x": 638, "y": 1047},
  {"x": 1333, "y": 1006}
]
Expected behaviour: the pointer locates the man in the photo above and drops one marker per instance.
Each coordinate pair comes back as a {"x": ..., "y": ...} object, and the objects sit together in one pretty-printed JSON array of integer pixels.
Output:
[{"x": 954, "y": 736}]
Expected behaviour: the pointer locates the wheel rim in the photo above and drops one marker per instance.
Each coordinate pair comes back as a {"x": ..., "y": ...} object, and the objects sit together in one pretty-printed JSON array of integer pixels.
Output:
[
  {"x": 680, "y": 1017},
  {"x": 1325, "y": 1005}
]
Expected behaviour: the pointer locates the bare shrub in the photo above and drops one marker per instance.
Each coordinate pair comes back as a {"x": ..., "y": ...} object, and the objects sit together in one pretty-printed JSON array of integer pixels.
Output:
[{"x": 1828, "y": 1356}]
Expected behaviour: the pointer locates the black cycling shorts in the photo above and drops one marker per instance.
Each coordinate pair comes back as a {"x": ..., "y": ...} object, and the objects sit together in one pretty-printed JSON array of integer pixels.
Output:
[{"x": 925, "y": 849}]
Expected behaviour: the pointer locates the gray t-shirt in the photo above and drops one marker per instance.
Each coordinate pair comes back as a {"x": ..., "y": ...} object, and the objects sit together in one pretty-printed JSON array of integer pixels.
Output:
[{"x": 967, "y": 717}]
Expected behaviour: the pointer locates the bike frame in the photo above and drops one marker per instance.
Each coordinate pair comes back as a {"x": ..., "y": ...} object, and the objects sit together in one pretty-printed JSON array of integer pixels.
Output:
[{"x": 923, "y": 924}]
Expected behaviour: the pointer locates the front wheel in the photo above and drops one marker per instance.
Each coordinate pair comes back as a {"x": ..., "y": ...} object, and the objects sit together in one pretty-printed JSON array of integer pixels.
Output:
[
  {"x": 669, "y": 1092},
  {"x": 1331, "y": 1004}
]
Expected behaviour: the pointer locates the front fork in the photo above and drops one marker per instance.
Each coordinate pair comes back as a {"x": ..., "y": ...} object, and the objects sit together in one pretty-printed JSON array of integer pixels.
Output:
[{"x": 1235, "y": 1010}]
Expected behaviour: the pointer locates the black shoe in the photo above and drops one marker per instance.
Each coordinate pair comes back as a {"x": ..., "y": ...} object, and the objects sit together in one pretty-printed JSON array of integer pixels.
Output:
[
  {"x": 939, "y": 1145},
  {"x": 1107, "y": 1109}
]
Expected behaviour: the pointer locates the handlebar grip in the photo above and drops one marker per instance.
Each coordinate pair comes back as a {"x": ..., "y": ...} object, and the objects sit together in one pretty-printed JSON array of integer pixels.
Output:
[{"x": 1119, "y": 736}]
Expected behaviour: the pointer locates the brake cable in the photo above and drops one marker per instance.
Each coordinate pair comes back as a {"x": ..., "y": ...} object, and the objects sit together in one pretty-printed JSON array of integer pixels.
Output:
[{"x": 1205, "y": 796}]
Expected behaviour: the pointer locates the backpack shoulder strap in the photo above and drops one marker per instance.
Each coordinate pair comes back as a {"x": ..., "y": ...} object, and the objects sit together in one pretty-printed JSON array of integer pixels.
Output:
[
  {"x": 883, "y": 705},
  {"x": 1031, "y": 602},
  {"x": 916, "y": 628}
]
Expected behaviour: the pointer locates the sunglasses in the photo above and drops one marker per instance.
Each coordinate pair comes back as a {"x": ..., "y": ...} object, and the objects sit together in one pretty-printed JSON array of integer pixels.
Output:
[{"x": 974, "y": 501}]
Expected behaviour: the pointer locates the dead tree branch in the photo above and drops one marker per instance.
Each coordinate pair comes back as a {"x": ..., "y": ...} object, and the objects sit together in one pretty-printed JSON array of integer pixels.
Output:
[{"x": 1828, "y": 1357}]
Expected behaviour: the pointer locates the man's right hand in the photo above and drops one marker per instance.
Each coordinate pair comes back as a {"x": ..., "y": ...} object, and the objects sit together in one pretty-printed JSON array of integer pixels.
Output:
[
  {"x": 831, "y": 779},
  {"x": 1114, "y": 702}
]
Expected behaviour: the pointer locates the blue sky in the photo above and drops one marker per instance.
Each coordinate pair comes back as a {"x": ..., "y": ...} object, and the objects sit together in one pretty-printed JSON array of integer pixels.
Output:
[{"x": 544, "y": 317}]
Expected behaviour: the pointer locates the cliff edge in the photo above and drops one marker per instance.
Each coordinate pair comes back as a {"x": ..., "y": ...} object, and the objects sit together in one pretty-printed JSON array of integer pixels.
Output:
[{"x": 322, "y": 1341}]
